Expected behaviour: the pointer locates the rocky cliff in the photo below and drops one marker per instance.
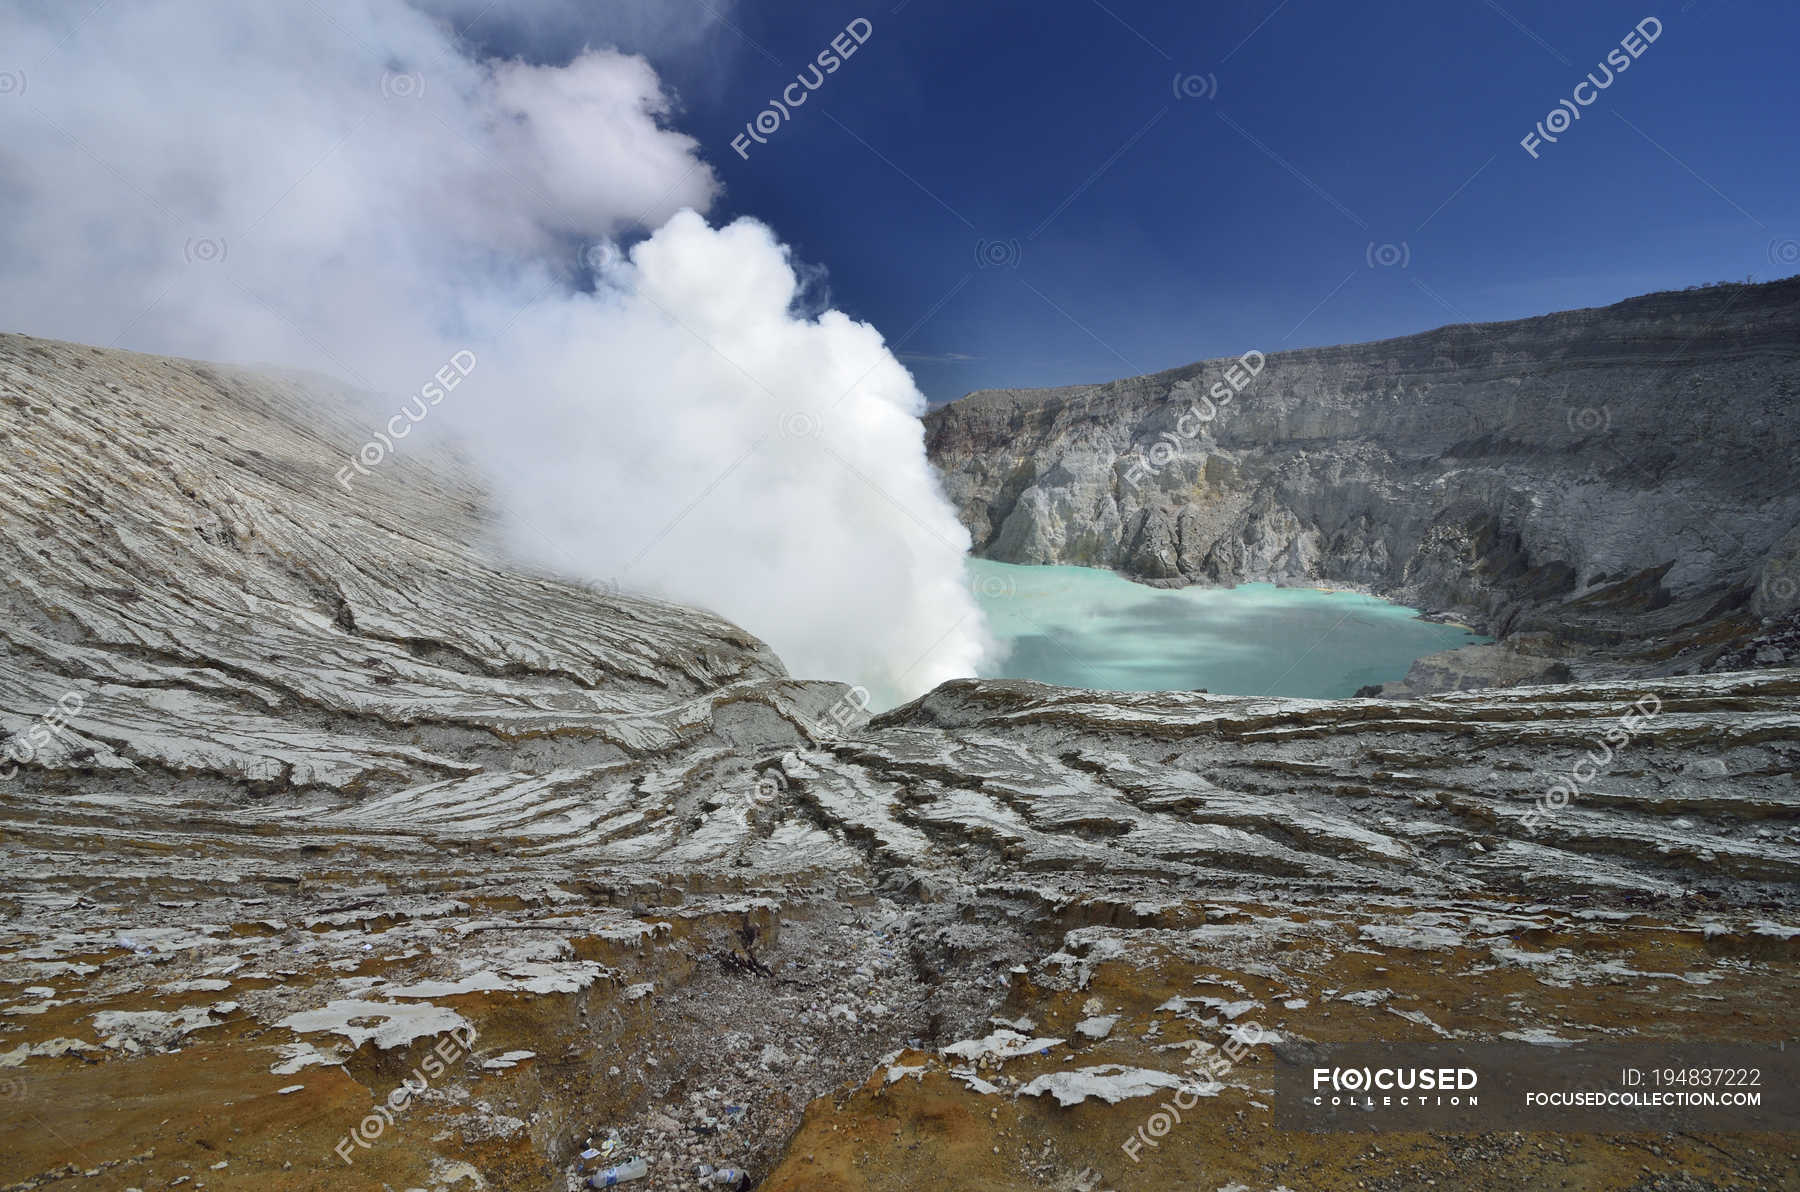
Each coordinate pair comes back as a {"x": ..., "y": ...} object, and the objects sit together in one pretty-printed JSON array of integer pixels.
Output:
[
  {"x": 339, "y": 853},
  {"x": 1621, "y": 481}
]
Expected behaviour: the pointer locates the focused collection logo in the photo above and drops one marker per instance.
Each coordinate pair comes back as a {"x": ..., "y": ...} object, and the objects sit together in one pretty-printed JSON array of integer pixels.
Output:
[
  {"x": 1513, "y": 1085},
  {"x": 1372, "y": 1088}
]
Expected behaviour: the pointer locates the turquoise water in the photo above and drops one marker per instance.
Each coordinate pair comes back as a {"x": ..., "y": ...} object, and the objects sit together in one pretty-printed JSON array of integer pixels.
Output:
[{"x": 1081, "y": 627}]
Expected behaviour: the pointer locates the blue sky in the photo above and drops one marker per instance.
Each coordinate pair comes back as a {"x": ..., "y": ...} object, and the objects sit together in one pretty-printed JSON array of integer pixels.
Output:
[{"x": 1357, "y": 174}]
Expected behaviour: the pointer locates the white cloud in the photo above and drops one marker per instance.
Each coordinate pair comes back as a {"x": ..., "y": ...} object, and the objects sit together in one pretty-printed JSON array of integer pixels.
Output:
[
  {"x": 341, "y": 187},
  {"x": 794, "y": 446}
]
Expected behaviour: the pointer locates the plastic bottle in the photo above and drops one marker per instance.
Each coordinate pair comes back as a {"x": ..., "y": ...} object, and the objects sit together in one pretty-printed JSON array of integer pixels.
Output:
[
  {"x": 603, "y": 1152},
  {"x": 723, "y": 1177},
  {"x": 632, "y": 1169}
]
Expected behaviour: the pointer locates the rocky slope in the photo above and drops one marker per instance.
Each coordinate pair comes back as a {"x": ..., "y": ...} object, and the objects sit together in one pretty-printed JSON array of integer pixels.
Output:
[
  {"x": 339, "y": 854},
  {"x": 1612, "y": 484}
]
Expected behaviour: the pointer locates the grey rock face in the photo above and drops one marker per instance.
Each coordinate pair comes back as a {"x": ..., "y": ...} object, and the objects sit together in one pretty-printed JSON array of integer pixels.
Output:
[
  {"x": 242, "y": 637},
  {"x": 1562, "y": 475}
]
